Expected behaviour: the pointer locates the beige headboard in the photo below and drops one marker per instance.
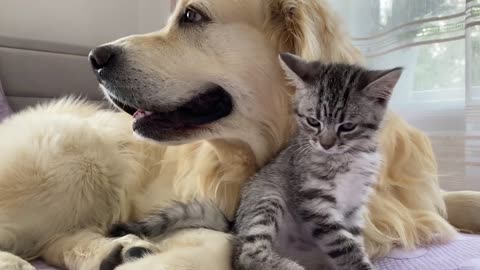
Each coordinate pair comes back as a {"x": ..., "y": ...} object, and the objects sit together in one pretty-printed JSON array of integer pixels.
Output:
[
  {"x": 44, "y": 44},
  {"x": 36, "y": 71}
]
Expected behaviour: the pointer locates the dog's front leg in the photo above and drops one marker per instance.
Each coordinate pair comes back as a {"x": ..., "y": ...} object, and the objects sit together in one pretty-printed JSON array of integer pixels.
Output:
[
  {"x": 192, "y": 249},
  {"x": 9, "y": 261},
  {"x": 87, "y": 250}
]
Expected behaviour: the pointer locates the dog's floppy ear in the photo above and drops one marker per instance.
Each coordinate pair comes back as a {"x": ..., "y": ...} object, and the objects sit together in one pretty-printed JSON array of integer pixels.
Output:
[{"x": 309, "y": 29}]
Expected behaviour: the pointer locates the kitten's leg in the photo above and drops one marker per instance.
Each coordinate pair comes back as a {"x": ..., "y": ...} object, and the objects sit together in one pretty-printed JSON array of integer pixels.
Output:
[
  {"x": 257, "y": 227},
  {"x": 178, "y": 216},
  {"x": 347, "y": 251},
  {"x": 344, "y": 247},
  {"x": 354, "y": 223}
]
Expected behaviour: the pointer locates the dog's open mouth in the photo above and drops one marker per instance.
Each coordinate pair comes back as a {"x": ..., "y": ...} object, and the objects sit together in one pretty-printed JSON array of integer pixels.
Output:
[{"x": 205, "y": 108}]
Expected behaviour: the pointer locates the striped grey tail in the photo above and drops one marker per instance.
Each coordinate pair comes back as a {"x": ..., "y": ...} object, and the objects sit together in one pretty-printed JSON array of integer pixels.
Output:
[{"x": 194, "y": 214}]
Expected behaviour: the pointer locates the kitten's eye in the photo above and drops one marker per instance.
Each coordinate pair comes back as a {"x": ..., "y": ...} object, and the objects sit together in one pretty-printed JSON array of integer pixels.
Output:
[
  {"x": 191, "y": 16},
  {"x": 313, "y": 122},
  {"x": 347, "y": 127}
]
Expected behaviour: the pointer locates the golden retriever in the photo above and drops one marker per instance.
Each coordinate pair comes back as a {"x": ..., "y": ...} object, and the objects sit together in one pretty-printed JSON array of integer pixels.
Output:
[{"x": 209, "y": 85}]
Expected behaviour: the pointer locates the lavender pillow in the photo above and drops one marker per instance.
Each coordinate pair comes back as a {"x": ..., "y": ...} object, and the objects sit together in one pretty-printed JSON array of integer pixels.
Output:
[{"x": 4, "y": 107}]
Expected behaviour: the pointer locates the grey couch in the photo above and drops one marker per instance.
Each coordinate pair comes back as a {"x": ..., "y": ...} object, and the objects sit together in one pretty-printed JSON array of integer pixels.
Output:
[{"x": 37, "y": 71}]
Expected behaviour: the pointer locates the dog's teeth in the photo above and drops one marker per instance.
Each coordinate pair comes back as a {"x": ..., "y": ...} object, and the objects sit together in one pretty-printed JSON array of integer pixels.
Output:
[{"x": 139, "y": 114}]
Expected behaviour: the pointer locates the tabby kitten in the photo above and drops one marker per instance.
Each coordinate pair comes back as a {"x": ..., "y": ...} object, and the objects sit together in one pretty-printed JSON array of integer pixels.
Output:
[
  {"x": 310, "y": 199},
  {"x": 304, "y": 209}
]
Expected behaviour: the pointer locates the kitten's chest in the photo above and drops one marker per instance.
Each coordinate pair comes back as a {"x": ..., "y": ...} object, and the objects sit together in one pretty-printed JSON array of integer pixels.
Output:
[
  {"x": 351, "y": 190},
  {"x": 354, "y": 181}
]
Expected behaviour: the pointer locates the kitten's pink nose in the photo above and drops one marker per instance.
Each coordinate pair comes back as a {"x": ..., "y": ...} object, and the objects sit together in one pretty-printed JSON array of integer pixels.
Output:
[
  {"x": 327, "y": 146},
  {"x": 327, "y": 143}
]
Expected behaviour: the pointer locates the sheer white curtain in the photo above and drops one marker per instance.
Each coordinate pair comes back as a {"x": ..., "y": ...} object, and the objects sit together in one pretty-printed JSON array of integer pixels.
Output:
[{"x": 438, "y": 44}]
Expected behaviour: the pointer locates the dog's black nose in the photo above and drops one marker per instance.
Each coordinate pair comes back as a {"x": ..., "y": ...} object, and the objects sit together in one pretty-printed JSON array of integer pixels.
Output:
[{"x": 101, "y": 56}]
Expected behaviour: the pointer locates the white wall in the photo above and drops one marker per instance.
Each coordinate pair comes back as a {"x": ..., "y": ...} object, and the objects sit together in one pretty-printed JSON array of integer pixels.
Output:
[
  {"x": 152, "y": 14},
  {"x": 81, "y": 22}
]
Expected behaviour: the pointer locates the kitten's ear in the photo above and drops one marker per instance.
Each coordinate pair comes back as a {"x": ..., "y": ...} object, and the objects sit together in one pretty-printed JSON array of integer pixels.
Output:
[
  {"x": 380, "y": 84},
  {"x": 296, "y": 69}
]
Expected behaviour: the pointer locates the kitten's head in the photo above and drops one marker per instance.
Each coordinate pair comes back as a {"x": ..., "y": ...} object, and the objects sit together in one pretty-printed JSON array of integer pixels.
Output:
[{"x": 339, "y": 107}]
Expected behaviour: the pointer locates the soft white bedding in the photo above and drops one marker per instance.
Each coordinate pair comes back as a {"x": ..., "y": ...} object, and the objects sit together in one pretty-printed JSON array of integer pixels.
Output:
[{"x": 461, "y": 254}]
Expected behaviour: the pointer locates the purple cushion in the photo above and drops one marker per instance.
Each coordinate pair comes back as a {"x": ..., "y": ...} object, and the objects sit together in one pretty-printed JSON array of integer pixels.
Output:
[
  {"x": 4, "y": 107},
  {"x": 42, "y": 266},
  {"x": 461, "y": 254}
]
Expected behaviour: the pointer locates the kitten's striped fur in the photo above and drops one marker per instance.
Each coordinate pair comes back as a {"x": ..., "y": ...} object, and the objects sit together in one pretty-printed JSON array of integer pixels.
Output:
[
  {"x": 304, "y": 209},
  {"x": 310, "y": 200},
  {"x": 193, "y": 214}
]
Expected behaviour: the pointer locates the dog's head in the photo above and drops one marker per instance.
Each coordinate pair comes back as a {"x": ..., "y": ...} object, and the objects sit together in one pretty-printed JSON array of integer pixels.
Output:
[{"x": 213, "y": 71}]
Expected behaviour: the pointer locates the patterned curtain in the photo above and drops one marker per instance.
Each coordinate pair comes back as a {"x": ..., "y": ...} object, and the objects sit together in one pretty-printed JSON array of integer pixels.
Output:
[{"x": 438, "y": 44}]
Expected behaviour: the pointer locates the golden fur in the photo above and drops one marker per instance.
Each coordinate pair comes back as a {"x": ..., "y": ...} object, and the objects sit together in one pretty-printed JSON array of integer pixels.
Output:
[{"x": 68, "y": 170}]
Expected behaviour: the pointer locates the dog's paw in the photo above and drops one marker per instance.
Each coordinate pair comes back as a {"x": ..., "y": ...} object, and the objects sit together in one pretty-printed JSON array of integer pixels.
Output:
[
  {"x": 113, "y": 259},
  {"x": 123, "y": 229},
  {"x": 9, "y": 261},
  {"x": 125, "y": 249}
]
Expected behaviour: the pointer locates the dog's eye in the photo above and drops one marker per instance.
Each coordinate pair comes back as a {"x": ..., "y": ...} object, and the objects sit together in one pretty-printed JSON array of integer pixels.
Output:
[
  {"x": 191, "y": 16},
  {"x": 313, "y": 122},
  {"x": 347, "y": 127}
]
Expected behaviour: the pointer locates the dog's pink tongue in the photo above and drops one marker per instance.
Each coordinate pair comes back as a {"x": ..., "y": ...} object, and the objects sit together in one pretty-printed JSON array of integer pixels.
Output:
[{"x": 140, "y": 114}]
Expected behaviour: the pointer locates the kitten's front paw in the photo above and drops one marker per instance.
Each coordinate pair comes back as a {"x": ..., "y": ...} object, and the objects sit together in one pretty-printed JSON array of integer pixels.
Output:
[
  {"x": 366, "y": 266},
  {"x": 286, "y": 264},
  {"x": 122, "y": 229}
]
